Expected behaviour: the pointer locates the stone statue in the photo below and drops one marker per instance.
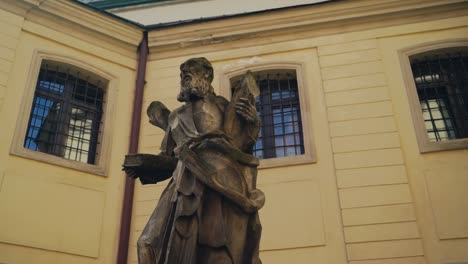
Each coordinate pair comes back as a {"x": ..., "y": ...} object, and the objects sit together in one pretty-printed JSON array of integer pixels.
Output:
[{"x": 208, "y": 213}]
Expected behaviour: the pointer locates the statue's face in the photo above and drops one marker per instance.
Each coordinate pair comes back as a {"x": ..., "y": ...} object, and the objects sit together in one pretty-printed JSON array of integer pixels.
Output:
[{"x": 193, "y": 85}]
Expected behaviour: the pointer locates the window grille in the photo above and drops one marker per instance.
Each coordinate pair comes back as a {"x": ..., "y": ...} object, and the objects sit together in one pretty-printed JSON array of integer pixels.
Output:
[
  {"x": 66, "y": 113},
  {"x": 280, "y": 115},
  {"x": 441, "y": 79}
]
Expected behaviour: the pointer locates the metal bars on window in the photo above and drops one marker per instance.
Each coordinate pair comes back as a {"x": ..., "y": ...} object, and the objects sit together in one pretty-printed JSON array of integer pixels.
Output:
[
  {"x": 280, "y": 115},
  {"x": 66, "y": 113},
  {"x": 441, "y": 79}
]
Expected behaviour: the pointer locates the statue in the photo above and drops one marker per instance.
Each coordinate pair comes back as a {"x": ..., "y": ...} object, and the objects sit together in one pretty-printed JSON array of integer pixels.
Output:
[{"x": 208, "y": 213}]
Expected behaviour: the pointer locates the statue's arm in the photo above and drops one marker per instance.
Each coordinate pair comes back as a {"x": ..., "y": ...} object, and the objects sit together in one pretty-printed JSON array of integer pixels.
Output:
[
  {"x": 249, "y": 129},
  {"x": 246, "y": 109},
  {"x": 168, "y": 144},
  {"x": 150, "y": 168}
]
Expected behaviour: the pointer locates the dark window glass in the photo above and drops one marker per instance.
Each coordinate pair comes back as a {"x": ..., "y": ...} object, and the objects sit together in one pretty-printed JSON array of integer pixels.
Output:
[
  {"x": 441, "y": 79},
  {"x": 280, "y": 115},
  {"x": 66, "y": 113}
]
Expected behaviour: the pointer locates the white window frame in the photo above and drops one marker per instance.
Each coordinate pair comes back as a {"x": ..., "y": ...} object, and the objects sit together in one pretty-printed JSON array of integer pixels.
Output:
[
  {"x": 101, "y": 166},
  {"x": 425, "y": 145},
  {"x": 309, "y": 155}
]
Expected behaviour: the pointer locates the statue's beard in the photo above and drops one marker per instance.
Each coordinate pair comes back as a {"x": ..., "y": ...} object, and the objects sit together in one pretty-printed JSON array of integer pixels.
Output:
[{"x": 190, "y": 91}]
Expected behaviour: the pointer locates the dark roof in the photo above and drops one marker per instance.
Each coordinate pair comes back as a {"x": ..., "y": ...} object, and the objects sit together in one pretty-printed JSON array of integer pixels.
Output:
[
  {"x": 104, "y": 12},
  {"x": 100, "y": 7},
  {"x": 108, "y": 4}
]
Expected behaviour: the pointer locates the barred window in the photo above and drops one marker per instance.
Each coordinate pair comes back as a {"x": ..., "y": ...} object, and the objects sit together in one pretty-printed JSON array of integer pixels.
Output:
[
  {"x": 441, "y": 79},
  {"x": 66, "y": 112},
  {"x": 280, "y": 114}
]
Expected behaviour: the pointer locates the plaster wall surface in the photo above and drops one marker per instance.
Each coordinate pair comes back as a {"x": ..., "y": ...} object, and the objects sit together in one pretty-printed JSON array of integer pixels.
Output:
[
  {"x": 438, "y": 180},
  {"x": 371, "y": 197},
  {"x": 51, "y": 213},
  {"x": 9, "y": 34}
]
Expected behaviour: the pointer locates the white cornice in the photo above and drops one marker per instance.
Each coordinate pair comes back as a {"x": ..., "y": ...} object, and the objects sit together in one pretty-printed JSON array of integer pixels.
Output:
[
  {"x": 329, "y": 18},
  {"x": 93, "y": 20},
  {"x": 55, "y": 14},
  {"x": 19, "y": 7}
]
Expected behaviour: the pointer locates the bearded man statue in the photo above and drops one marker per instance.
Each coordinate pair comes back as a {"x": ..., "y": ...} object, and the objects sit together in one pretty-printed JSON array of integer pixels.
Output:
[{"x": 208, "y": 213}]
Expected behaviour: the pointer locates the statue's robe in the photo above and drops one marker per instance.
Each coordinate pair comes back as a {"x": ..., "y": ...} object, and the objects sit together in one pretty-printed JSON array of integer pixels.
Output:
[{"x": 202, "y": 216}]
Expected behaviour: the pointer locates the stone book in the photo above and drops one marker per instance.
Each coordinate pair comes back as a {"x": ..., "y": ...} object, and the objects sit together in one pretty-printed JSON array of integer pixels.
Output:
[
  {"x": 234, "y": 125},
  {"x": 151, "y": 168}
]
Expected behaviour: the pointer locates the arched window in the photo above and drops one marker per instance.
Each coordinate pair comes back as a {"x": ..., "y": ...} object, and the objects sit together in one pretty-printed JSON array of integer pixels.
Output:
[
  {"x": 66, "y": 112},
  {"x": 283, "y": 106},
  {"x": 437, "y": 86},
  {"x": 441, "y": 79}
]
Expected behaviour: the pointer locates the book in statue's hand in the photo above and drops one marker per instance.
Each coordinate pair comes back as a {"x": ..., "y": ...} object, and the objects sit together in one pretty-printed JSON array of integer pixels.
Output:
[
  {"x": 150, "y": 168},
  {"x": 244, "y": 92}
]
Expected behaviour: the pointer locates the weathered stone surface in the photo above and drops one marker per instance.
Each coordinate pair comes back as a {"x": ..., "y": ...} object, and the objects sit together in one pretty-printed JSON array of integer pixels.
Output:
[{"x": 208, "y": 212}]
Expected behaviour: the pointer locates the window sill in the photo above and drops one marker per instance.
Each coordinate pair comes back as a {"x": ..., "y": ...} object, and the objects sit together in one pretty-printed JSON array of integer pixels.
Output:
[
  {"x": 426, "y": 146},
  {"x": 286, "y": 161},
  {"x": 58, "y": 161}
]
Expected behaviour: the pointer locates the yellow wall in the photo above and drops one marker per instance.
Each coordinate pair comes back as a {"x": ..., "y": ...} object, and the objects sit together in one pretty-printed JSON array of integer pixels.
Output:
[
  {"x": 371, "y": 197},
  {"x": 438, "y": 180},
  {"x": 49, "y": 213},
  {"x": 9, "y": 33}
]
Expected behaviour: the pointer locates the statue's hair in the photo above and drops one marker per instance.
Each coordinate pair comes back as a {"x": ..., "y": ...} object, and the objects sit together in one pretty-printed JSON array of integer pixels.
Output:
[{"x": 199, "y": 65}]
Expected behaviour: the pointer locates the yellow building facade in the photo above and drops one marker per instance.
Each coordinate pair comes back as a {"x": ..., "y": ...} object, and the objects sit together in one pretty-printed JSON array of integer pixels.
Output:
[{"x": 369, "y": 188}]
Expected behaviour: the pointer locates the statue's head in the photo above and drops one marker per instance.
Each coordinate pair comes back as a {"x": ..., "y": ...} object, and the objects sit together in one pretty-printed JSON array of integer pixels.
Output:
[{"x": 196, "y": 75}]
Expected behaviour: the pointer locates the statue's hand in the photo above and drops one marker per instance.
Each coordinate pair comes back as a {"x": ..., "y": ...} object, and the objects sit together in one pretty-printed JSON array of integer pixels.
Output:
[
  {"x": 131, "y": 172},
  {"x": 258, "y": 198},
  {"x": 247, "y": 110}
]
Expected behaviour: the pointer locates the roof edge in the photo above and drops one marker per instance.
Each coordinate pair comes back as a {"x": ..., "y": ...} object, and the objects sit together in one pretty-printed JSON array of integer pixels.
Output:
[
  {"x": 110, "y": 4},
  {"x": 214, "y": 18},
  {"x": 105, "y": 13}
]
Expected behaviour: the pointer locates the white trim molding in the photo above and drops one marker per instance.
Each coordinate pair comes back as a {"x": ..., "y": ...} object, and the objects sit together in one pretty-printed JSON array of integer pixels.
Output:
[
  {"x": 105, "y": 137},
  {"x": 417, "y": 115},
  {"x": 323, "y": 19},
  {"x": 309, "y": 155},
  {"x": 83, "y": 18},
  {"x": 74, "y": 24}
]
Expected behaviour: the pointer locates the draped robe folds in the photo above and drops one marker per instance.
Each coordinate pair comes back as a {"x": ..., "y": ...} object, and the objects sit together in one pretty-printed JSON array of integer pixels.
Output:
[{"x": 208, "y": 211}]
